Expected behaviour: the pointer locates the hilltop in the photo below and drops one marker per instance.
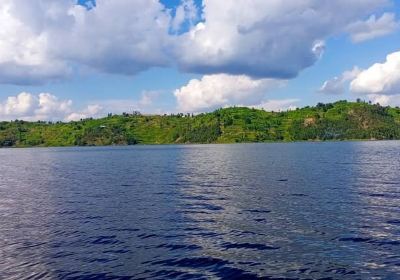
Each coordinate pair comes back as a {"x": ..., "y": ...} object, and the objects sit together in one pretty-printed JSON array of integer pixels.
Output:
[{"x": 341, "y": 120}]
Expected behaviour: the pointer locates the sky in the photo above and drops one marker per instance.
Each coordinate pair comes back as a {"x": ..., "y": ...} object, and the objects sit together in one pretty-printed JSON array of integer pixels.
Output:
[{"x": 68, "y": 59}]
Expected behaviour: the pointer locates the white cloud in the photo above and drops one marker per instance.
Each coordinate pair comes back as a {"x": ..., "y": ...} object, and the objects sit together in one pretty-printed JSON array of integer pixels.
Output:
[
  {"x": 373, "y": 27},
  {"x": 50, "y": 107},
  {"x": 44, "y": 106},
  {"x": 42, "y": 40},
  {"x": 213, "y": 91},
  {"x": 274, "y": 39},
  {"x": 385, "y": 100},
  {"x": 25, "y": 57},
  {"x": 18, "y": 105},
  {"x": 88, "y": 112},
  {"x": 118, "y": 36},
  {"x": 339, "y": 85},
  {"x": 380, "y": 82},
  {"x": 277, "y": 104},
  {"x": 380, "y": 78}
]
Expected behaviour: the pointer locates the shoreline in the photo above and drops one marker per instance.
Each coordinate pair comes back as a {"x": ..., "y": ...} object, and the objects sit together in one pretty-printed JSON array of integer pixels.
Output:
[{"x": 204, "y": 144}]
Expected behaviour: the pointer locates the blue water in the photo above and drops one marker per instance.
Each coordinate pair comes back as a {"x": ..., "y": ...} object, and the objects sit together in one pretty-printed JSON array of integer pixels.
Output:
[{"x": 298, "y": 210}]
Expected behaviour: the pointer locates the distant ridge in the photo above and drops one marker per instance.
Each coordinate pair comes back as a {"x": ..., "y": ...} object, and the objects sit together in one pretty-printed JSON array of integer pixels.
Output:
[{"x": 341, "y": 120}]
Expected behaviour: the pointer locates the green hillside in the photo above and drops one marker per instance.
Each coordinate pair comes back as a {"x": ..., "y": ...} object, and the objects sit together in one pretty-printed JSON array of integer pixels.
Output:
[{"x": 341, "y": 120}]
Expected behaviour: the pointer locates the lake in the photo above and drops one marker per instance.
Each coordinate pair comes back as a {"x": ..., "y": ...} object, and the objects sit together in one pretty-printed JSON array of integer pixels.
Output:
[{"x": 239, "y": 211}]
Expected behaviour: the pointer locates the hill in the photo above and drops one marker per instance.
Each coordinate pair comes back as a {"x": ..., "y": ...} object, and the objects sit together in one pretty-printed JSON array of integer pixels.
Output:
[{"x": 341, "y": 120}]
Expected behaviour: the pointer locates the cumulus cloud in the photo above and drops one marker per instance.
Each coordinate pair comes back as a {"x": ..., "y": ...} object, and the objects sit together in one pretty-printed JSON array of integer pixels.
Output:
[
  {"x": 380, "y": 78},
  {"x": 380, "y": 82},
  {"x": 43, "y": 106},
  {"x": 213, "y": 91},
  {"x": 118, "y": 36},
  {"x": 277, "y": 104},
  {"x": 274, "y": 39},
  {"x": 25, "y": 56},
  {"x": 385, "y": 100},
  {"x": 43, "y": 40},
  {"x": 339, "y": 85},
  {"x": 89, "y": 112},
  {"x": 373, "y": 27},
  {"x": 21, "y": 104}
]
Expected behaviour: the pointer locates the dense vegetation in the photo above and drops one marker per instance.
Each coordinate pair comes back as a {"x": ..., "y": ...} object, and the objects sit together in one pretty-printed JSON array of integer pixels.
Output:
[{"x": 335, "y": 121}]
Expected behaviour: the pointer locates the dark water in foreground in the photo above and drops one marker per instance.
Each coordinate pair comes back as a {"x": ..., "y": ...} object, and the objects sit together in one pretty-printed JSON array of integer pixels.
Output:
[{"x": 301, "y": 211}]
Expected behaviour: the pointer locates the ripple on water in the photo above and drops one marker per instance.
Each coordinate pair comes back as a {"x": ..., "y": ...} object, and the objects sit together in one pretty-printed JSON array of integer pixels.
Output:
[
  {"x": 393, "y": 222},
  {"x": 216, "y": 266},
  {"x": 273, "y": 211},
  {"x": 110, "y": 239},
  {"x": 252, "y": 246}
]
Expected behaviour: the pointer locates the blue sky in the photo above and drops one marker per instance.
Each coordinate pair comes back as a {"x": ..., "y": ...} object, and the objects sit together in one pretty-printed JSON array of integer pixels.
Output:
[{"x": 193, "y": 56}]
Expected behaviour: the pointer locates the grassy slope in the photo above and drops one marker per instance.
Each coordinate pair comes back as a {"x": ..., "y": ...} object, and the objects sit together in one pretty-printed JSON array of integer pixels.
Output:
[{"x": 338, "y": 121}]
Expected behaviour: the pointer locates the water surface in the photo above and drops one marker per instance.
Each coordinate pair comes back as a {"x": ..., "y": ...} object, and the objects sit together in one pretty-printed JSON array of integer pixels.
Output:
[{"x": 245, "y": 211}]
